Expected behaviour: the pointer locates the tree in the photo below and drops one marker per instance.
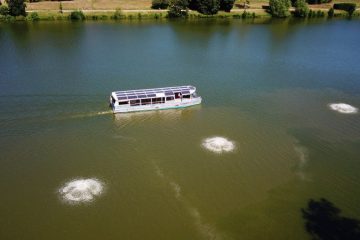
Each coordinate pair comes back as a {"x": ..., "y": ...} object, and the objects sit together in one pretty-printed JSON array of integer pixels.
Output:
[
  {"x": 193, "y": 5},
  {"x": 331, "y": 13},
  {"x": 208, "y": 7},
  {"x": 60, "y": 8},
  {"x": 4, "y": 10},
  {"x": 301, "y": 9},
  {"x": 348, "y": 7},
  {"x": 318, "y": 1},
  {"x": 34, "y": 16},
  {"x": 17, "y": 7},
  {"x": 279, "y": 8},
  {"x": 118, "y": 14},
  {"x": 226, "y": 5},
  {"x": 77, "y": 15},
  {"x": 160, "y": 4},
  {"x": 178, "y": 8}
]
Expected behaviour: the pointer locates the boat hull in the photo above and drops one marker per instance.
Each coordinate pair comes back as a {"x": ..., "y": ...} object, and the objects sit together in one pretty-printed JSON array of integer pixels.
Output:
[{"x": 153, "y": 107}]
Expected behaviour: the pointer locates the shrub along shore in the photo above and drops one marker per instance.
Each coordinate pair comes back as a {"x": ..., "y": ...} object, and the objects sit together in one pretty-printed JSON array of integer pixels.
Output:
[{"x": 195, "y": 9}]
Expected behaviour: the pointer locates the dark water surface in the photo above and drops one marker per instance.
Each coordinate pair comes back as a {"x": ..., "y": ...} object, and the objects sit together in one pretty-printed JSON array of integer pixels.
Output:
[{"x": 265, "y": 86}]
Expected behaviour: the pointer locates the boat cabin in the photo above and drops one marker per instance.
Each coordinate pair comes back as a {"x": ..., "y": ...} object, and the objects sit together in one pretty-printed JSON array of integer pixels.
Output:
[{"x": 155, "y": 98}]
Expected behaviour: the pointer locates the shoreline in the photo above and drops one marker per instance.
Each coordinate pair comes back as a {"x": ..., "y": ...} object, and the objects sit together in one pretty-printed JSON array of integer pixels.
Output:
[{"x": 131, "y": 14}]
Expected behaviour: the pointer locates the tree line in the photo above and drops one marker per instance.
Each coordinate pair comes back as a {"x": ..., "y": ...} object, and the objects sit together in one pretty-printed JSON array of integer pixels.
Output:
[
  {"x": 13, "y": 8},
  {"x": 280, "y": 8},
  {"x": 179, "y": 8}
]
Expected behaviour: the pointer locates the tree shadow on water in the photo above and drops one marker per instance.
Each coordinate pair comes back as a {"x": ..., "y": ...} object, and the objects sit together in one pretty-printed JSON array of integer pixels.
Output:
[{"x": 323, "y": 222}]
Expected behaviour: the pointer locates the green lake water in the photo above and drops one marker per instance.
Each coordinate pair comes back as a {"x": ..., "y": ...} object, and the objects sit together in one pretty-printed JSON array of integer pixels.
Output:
[{"x": 265, "y": 86}]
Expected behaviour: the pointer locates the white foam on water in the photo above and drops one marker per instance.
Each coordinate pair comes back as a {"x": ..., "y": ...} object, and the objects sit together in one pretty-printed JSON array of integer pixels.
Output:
[
  {"x": 104, "y": 112},
  {"x": 81, "y": 190},
  {"x": 177, "y": 189},
  {"x": 206, "y": 230},
  {"x": 124, "y": 138},
  {"x": 91, "y": 114},
  {"x": 158, "y": 171},
  {"x": 218, "y": 144},
  {"x": 343, "y": 108}
]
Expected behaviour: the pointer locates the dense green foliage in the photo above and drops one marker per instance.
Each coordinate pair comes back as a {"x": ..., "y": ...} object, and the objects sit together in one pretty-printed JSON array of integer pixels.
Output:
[
  {"x": 160, "y": 4},
  {"x": 208, "y": 7},
  {"x": 226, "y": 5},
  {"x": 178, "y": 8},
  {"x": 318, "y": 1},
  {"x": 34, "y": 16},
  {"x": 246, "y": 14},
  {"x": 193, "y": 5},
  {"x": 348, "y": 7},
  {"x": 301, "y": 9},
  {"x": 4, "y": 10},
  {"x": 17, "y": 7},
  {"x": 331, "y": 12},
  {"x": 77, "y": 15},
  {"x": 118, "y": 14},
  {"x": 316, "y": 14},
  {"x": 279, "y": 8}
]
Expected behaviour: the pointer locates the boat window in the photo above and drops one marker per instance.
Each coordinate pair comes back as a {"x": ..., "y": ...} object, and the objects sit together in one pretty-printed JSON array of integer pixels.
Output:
[
  {"x": 177, "y": 95},
  {"x": 146, "y": 101},
  {"x": 186, "y": 96},
  {"x": 124, "y": 103},
  {"x": 134, "y": 102},
  {"x": 156, "y": 100},
  {"x": 169, "y": 98}
]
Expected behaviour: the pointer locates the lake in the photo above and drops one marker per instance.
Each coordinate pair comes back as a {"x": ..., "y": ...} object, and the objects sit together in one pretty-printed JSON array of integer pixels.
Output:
[{"x": 265, "y": 86}]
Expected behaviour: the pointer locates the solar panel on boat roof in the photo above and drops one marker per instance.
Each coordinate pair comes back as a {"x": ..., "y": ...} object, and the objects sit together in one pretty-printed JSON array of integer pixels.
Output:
[
  {"x": 154, "y": 90},
  {"x": 151, "y": 95},
  {"x": 132, "y": 96}
]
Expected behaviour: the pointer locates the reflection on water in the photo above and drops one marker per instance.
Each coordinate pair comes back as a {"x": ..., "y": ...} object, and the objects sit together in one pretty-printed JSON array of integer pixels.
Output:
[
  {"x": 323, "y": 221},
  {"x": 168, "y": 115}
]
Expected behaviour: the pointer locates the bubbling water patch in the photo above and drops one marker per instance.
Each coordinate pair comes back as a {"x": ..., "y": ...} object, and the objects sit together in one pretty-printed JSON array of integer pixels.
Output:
[
  {"x": 218, "y": 144},
  {"x": 81, "y": 190},
  {"x": 343, "y": 108}
]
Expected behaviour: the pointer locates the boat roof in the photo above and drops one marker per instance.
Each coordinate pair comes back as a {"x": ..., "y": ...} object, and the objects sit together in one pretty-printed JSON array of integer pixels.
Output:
[{"x": 152, "y": 92}]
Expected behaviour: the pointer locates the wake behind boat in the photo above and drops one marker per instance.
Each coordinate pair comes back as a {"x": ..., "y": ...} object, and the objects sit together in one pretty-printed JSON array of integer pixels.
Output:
[{"x": 154, "y": 99}]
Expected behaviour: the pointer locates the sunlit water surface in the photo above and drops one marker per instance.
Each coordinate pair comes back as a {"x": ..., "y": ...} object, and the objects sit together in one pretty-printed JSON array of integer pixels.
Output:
[{"x": 266, "y": 89}]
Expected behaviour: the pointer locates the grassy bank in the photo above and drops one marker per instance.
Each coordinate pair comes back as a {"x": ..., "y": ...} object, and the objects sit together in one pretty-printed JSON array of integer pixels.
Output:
[
  {"x": 124, "y": 15},
  {"x": 118, "y": 15}
]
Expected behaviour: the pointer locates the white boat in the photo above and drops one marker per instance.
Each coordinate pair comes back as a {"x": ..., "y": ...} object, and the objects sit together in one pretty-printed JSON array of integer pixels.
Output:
[{"x": 154, "y": 99}]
